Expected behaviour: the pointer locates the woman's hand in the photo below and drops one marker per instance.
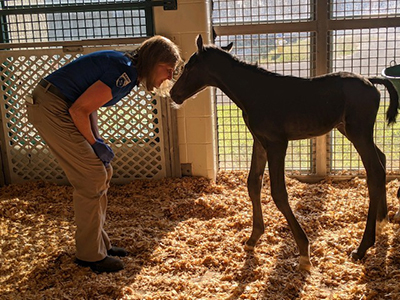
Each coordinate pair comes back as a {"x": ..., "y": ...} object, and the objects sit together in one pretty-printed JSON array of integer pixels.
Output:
[{"x": 103, "y": 151}]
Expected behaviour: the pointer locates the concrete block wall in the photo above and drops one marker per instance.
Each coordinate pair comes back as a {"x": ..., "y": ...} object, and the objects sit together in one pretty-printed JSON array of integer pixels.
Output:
[{"x": 196, "y": 118}]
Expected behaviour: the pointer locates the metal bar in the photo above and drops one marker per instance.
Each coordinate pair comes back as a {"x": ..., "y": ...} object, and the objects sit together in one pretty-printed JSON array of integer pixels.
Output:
[
  {"x": 149, "y": 20},
  {"x": 322, "y": 38},
  {"x": 308, "y": 26},
  {"x": 171, "y": 145},
  {"x": 97, "y": 42},
  {"x": 3, "y": 152},
  {"x": 334, "y": 178},
  {"x": 32, "y": 9},
  {"x": 265, "y": 28},
  {"x": 321, "y": 68},
  {"x": 3, "y": 25},
  {"x": 363, "y": 23}
]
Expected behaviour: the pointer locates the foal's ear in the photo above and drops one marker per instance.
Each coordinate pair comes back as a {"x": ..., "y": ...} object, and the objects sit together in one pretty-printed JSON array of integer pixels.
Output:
[
  {"x": 227, "y": 48},
  {"x": 199, "y": 42}
]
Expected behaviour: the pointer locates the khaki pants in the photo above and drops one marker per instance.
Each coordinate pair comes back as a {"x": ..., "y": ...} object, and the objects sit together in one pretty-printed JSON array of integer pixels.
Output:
[{"x": 84, "y": 170}]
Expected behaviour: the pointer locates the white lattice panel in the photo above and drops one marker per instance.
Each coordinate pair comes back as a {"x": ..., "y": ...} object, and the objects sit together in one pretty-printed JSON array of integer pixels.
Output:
[{"x": 133, "y": 127}]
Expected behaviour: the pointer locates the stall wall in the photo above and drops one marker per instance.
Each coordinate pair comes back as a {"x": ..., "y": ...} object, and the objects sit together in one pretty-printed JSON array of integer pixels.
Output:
[{"x": 196, "y": 118}]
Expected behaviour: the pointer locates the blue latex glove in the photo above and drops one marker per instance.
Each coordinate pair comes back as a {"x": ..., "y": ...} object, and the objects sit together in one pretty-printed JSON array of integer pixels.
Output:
[{"x": 103, "y": 151}]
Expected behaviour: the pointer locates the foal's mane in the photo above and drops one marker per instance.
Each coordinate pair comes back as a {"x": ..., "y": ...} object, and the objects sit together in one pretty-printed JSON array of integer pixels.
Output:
[{"x": 246, "y": 65}]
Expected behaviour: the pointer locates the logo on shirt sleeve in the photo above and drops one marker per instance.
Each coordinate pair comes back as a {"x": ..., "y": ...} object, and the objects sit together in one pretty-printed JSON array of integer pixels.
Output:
[{"x": 123, "y": 80}]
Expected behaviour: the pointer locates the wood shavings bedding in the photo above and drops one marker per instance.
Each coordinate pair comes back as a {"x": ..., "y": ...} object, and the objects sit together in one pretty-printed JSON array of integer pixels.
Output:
[{"x": 185, "y": 237}]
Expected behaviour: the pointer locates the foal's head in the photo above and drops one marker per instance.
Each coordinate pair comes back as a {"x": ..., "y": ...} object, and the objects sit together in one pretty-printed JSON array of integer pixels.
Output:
[{"x": 195, "y": 75}]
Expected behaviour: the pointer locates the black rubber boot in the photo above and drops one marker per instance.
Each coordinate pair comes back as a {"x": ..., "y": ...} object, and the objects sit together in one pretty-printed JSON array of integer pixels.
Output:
[
  {"x": 108, "y": 264},
  {"x": 117, "y": 251}
]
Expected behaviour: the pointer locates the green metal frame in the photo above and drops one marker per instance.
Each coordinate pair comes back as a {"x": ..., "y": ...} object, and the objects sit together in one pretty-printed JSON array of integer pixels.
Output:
[
  {"x": 3, "y": 28},
  {"x": 43, "y": 8},
  {"x": 146, "y": 5}
]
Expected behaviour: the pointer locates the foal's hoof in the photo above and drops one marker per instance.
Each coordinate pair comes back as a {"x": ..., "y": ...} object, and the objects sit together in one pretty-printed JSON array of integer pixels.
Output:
[
  {"x": 305, "y": 264},
  {"x": 248, "y": 247},
  {"x": 356, "y": 256}
]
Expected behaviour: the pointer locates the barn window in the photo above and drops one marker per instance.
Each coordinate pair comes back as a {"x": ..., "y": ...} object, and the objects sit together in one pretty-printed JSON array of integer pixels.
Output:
[{"x": 308, "y": 38}]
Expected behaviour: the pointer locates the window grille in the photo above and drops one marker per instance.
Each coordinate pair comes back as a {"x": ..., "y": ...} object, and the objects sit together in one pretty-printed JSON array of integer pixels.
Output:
[
  {"x": 337, "y": 35},
  {"x": 227, "y": 12},
  {"x": 60, "y": 20},
  {"x": 361, "y": 9},
  {"x": 366, "y": 52},
  {"x": 279, "y": 52}
]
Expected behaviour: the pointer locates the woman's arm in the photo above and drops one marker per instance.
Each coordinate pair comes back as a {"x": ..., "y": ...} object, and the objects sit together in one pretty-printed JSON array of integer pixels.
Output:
[
  {"x": 81, "y": 111},
  {"x": 93, "y": 123}
]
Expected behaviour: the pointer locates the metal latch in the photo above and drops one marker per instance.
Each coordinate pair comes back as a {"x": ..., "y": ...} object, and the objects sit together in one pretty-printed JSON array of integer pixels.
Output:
[
  {"x": 170, "y": 5},
  {"x": 72, "y": 49}
]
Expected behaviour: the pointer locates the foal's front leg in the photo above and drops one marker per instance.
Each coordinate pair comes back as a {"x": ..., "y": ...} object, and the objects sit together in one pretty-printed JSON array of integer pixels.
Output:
[
  {"x": 254, "y": 185},
  {"x": 276, "y": 163}
]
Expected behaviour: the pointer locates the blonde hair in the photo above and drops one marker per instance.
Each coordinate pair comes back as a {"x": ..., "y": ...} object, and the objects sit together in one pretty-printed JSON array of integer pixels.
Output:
[{"x": 152, "y": 52}]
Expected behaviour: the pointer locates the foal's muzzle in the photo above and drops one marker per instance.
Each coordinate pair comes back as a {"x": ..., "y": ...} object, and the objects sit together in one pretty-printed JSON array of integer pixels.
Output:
[{"x": 175, "y": 97}]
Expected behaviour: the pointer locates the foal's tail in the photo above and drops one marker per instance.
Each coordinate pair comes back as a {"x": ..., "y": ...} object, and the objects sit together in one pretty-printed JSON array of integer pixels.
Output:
[{"x": 392, "y": 111}]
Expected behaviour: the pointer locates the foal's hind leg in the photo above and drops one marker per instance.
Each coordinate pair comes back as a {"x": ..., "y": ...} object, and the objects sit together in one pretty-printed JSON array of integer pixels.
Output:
[
  {"x": 376, "y": 181},
  {"x": 276, "y": 162},
  {"x": 254, "y": 184},
  {"x": 382, "y": 217},
  {"x": 382, "y": 205}
]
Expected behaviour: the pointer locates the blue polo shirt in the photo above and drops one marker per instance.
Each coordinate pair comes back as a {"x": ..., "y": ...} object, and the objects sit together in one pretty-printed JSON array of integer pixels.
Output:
[{"x": 111, "y": 67}]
